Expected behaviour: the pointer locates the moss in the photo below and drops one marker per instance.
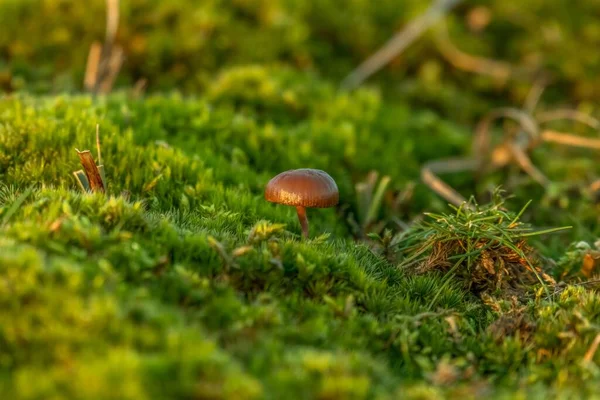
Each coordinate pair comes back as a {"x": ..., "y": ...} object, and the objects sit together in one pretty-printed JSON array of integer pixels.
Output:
[
  {"x": 197, "y": 287},
  {"x": 193, "y": 286}
]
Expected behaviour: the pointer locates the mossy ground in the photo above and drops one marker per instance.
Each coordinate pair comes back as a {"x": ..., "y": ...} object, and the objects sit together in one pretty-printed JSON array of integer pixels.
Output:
[{"x": 194, "y": 286}]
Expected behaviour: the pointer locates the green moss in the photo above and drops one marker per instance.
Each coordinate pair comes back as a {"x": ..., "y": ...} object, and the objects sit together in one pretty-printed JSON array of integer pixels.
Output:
[{"x": 196, "y": 287}]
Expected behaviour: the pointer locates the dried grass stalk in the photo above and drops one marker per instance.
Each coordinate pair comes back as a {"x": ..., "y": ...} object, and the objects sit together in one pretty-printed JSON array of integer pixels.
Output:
[
  {"x": 499, "y": 70},
  {"x": 91, "y": 70},
  {"x": 112, "y": 70},
  {"x": 570, "y": 140},
  {"x": 104, "y": 61},
  {"x": 91, "y": 170},
  {"x": 397, "y": 43},
  {"x": 430, "y": 178}
]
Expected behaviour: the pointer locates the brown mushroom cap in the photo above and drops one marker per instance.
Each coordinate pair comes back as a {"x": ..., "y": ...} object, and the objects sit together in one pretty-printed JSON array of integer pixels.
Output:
[{"x": 303, "y": 187}]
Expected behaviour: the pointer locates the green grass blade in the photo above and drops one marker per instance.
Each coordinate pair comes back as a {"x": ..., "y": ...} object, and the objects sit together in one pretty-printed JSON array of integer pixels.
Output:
[
  {"x": 377, "y": 199},
  {"x": 15, "y": 206}
]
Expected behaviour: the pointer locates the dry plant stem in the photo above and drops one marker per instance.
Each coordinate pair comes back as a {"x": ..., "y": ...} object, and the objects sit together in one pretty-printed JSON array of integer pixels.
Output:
[
  {"x": 100, "y": 166},
  {"x": 451, "y": 165},
  {"x": 535, "y": 94},
  {"x": 482, "y": 140},
  {"x": 91, "y": 171},
  {"x": 104, "y": 64},
  {"x": 112, "y": 20},
  {"x": 139, "y": 87},
  {"x": 575, "y": 115},
  {"x": 517, "y": 150},
  {"x": 500, "y": 155},
  {"x": 303, "y": 220},
  {"x": 589, "y": 355},
  {"x": 398, "y": 43},
  {"x": 526, "y": 165},
  {"x": 497, "y": 69},
  {"x": 98, "y": 144},
  {"x": 114, "y": 65},
  {"x": 570, "y": 140},
  {"x": 126, "y": 194},
  {"x": 515, "y": 147},
  {"x": 112, "y": 24},
  {"x": 429, "y": 177},
  {"x": 91, "y": 70},
  {"x": 566, "y": 138}
]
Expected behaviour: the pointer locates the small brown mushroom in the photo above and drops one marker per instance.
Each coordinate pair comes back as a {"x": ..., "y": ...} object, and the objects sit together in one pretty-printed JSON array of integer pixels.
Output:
[{"x": 303, "y": 188}]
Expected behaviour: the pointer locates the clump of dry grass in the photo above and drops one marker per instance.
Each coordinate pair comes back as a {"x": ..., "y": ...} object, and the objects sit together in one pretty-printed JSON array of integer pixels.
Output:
[
  {"x": 483, "y": 246},
  {"x": 494, "y": 267}
]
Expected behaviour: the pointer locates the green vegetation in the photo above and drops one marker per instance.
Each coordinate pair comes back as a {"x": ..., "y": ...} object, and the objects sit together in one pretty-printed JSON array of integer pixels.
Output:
[
  {"x": 182, "y": 282},
  {"x": 553, "y": 36}
]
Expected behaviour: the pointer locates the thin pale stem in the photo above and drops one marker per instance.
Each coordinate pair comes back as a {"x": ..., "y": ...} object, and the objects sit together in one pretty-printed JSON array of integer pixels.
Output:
[
  {"x": 535, "y": 94},
  {"x": 571, "y": 140},
  {"x": 397, "y": 43},
  {"x": 575, "y": 115},
  {"x": 429, "y": 177},
  {"x": 98, "y": 144},
  {"x": 303, "y": 220},
  {"x": 524, "y": 162},
  {"x": 459, "y": 59}
]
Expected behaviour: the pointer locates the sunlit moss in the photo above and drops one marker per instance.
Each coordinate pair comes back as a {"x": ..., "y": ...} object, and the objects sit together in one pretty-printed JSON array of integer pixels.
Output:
[{"x": 195, "y": 287}]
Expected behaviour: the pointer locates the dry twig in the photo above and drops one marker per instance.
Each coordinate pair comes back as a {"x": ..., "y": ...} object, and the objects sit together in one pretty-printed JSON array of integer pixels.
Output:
[
  {"x": 91, "y": 177},
  {"x": 589, "y": 355},
  {"x": 499, "y": 70},
  {"x": 397, "y": 43},
  {"x": 105, "y": 61},
  {"x": 513, "y": 149},
  {"x": 429, "y": 177}
]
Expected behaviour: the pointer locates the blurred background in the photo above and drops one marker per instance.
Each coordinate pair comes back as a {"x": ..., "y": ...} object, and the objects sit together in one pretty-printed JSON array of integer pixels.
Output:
[{"x": 181, "y": 44}]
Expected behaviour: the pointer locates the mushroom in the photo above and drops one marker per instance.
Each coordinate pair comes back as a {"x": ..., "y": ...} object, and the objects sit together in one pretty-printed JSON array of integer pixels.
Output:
[{"x": 303, "y": 188}]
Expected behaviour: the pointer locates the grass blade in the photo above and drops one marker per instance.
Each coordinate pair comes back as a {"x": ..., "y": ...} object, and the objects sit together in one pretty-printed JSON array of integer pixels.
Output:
[{"x": 15, "y": 206}]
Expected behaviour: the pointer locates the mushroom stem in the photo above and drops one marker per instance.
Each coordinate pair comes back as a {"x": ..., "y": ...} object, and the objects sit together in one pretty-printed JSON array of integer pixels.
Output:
[{"x": 303, "y": 220}]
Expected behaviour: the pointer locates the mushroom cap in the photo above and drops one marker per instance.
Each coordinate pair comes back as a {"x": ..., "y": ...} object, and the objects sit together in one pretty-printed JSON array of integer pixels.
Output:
[{"x": 303, "y": 187}]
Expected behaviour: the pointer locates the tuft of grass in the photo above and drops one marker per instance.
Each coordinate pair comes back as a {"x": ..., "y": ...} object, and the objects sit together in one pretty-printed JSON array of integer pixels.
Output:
[{"x": 485, "y": 247}]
